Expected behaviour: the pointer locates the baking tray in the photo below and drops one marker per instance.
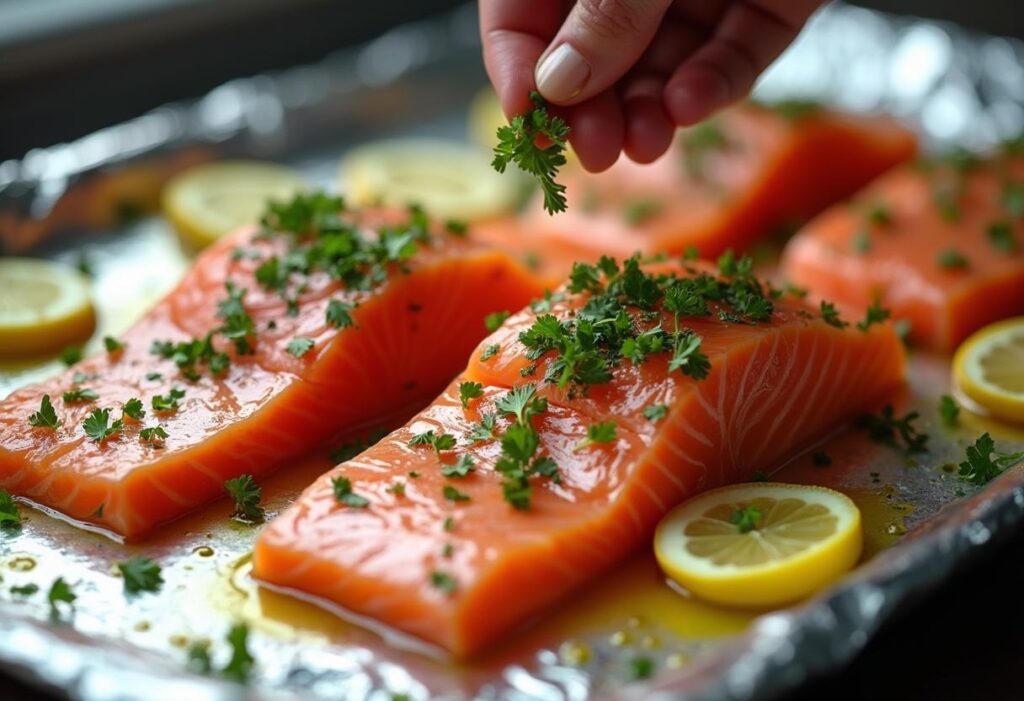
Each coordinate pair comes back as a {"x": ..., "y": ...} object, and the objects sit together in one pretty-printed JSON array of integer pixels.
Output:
[{"x": 90, "y": 202}]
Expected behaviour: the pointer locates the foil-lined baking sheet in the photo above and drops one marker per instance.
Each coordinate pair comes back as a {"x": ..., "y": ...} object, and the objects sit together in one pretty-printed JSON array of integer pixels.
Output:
[{"x": 91, "y": 201}]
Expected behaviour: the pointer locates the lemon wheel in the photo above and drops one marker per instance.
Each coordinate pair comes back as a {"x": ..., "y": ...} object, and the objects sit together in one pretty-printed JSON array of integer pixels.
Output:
[
  {"x": 44, "y": 307},
  {"x": 208, "y": 201},
  {"x": 988, "y": 370},
  {"x": 450, "y": 180},
  {"x": 759, "y": 544}
]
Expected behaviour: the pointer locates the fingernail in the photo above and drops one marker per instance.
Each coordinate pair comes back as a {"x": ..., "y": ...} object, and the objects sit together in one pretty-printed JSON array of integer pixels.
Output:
[{"x": 562, "y": 73}]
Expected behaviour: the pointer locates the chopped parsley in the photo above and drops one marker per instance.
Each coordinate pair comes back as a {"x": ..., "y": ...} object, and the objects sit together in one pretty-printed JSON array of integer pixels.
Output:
[
  {"x": 885, "y": 427},
  {"x": 112, "y": 344},
  {"x": 454, "y": 495},
  {"x": 949, "y": 410},
  {"x": 1000, "y": 235},
  {"x": 339, "y": 314},
  {"x": 238, "y": 326},
  {"x": 984, "y": 463},
  {"x": 198, "y": 656},
  {"x": 80, "y": 394},
  {"x": 60, "y": 592},
  {"x": 299, "y": 346},
  {"x": 655, "y": 412},
  {"x": 952, "y": 259},
  {"x": 878, "y": 214},
  {"x": 1013, "y": 199},
  {"x": 460, "y": 468},
  {"x": 520, "y": 442},
  {"x": 343, "y": 494},
  {"x": 449, "y": 524},
  {"x": 830, "y": 315},
  {"x": 745, "y": 519},
  {"x": 456, "y": 227},
  {"x": 688, "y": 357},
  {"x": 469, "y": 391},
  {"x": 860, "y": 242},
  {"x": 875, "y": 314},
  {"x": 438, "y": 442},
  {"x": 187, "y": 354},
  {"x": 99, "y": 427},
  {"x": 636, "y": 212},
  {"x": 9, "y": 515},
  {"x": 517, "y": 143},
  {"x": 141, "y": 574},
  {"x": 493, "y": 322},
  {"x": 483, "y": 430},
  {"x": 153, "y": 434},
  {"x": 239, "y": 666},
  {"x": 46, "y": 417},
  {"x": 71, "y": 355},
  {"x": 598, "y": 433},
  {"x": 168, "y": 402},
  {"x": 25, "y": 589},
  {"x": 133, "y": 409},
  {"x": 246, "y": 495},
  {"x": 398, "y": 489},
  {"x": 640, "y": 668},
  {"x": 443, "y": 581}
]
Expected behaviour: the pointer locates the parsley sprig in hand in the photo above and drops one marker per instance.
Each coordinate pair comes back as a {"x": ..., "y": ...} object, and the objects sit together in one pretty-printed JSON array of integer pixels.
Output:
[{"x": 517, "y": 143}]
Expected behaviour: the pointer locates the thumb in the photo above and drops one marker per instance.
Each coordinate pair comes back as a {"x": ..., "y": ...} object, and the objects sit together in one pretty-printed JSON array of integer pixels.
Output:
[{"x": 599, "y": 41}]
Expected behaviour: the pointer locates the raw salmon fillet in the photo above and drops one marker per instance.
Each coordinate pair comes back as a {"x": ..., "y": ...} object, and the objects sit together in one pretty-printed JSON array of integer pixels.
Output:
[
  {"x": 726, "y": 184},
  {"x": 773, "y": 388},
  {"x": 412, "y": 329},
  {"x": 938, "y": 244}
]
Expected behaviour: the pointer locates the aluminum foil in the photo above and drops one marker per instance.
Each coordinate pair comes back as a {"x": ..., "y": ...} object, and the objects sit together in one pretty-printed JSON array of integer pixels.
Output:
[{"x": 956, "y": 86}]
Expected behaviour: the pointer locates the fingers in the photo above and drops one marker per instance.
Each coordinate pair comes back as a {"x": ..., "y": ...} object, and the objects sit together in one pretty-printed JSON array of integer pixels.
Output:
[
  {"x": 649, "y": 129},
  {"x": 598, "y": 43},
  {"x": 514, "y": 34},
  {"x": 748, "y": 38},
  {"x": 598, "y": 130}
]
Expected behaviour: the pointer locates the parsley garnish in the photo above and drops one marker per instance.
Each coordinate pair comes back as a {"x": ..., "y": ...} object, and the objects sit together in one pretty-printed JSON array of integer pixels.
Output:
[
  {"x": 875, "y": 314},
  {"x": 489, "y": 352},
  {"x": 9, "y": 515},
  {"x": 238, "y": 326},
  {"x": 952, "y": 259},
  {"x": 449, "y": 524},
  {"x": 517, "y": 143},
  {"x": 949, "y": 410},
  {"x": 112, "y": 344},
  {"x": 99, "y": 427},
  {"x": 460, "y": 468},
  {"x": 140, "y": 574},
  {"x": 655, "y": 412},
  {"x": 1013, "y": 198},
  {"x": 83, "y": 394},
  {"x": 25, "y": 589},
  {"x": 636, "y": 212},
  {"x": 444, "y": 441},
  {"x": 398, "y": 489},
  {"x": 746, "y": 518},
  {"x": 830, "y": 315},
  {"x": 169, "y": 402},
  {"x": 598, "y": 433},
  {"x": 454, "y": 495},
  {"x": 60, "y": 591},
  {"x": 640, "y": 668},
  {"x": 133, "y": 409},
  {"x": 46, "y": 417},
  {"x": 299, "y": 346},
  {"x": 878, "y": 214},
  {"x": 860, "y": 242},
  {"x": 339, "y": 314},
  {"x": 469, "y": 391},
  {"x": 199, "y": 657},
  {"x": 519, "y": 445},
  {"x": 493, "y": 322},
  {"x": 239, "y": 667},
  {"x": 688, "y": 357},
  {"x": 884, "y": 427},
  {"x": 71, "y": 355},
  {"x": 246, "y": 493},
  {"x": 1000, "y": 234},
  {"x": 153, "y": 434},
  {"x": 443, "y": 581},
  {"x": 456, "y": 227},
  {"x": 187, "y": 354},
  {"x": 342, "y": 488},
  {"x": 984, "y": 463},
  {"x": 483, "y": 430}
]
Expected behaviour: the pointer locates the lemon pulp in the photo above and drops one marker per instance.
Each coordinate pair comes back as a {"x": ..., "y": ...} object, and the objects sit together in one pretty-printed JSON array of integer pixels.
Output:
[
  {"x": 44, "y": 307},
  {"x": 988, "y": 370}
]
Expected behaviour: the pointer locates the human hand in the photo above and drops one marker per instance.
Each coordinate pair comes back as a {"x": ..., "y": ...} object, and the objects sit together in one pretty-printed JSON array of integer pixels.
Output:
[{"x": 626, "y": 73}]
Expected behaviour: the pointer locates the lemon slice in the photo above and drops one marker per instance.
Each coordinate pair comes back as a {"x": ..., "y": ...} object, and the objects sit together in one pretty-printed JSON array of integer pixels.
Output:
[
  {"x": 988, "y": 370},
  {"x": 208, "y": 201},
  {"x": 450, "y": 180},
  {"x": 761, "y": 544},
  {"x": 44, "y": 307}
]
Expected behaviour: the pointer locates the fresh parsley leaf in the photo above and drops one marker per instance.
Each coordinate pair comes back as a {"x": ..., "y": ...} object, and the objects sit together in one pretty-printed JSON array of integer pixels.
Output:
[
  {"x": 640, "y": 668},
  {"x": 60, "y": 592},
  {"x": 140, "y": 574},
  {"x": 878, "y": 214},
  {"x": 1001, "y": 236},
  {"x": 687, "y": 356},
  {"x": 153, "y": 434},
  {"x": 246, "y": 494},
  {"x": 456, "y": 227},
  {"x": 133, "y": 409},
  {"x": 449, "y": 524},
  {"x": 493, "y": 321},
  {"x": 299, "y": 346},
  {"x": 71, "y": 355},
  {"x": 636, "y": 212},
  {"x": 469, "y": 391},
  {"x": 46, "y": 417},
  {"x": 25, "y": 589},
  {"x": 517, "y": 143},
  {"x": 9, "y": 514},
  {"x": 875, "y": 314},
  {"x": 489, "y": 352},
  {"x": 398, "y": 489},
  {"x": 604, "y": 432},
  {"x": 239, "y": 666},
  {"x": 655, "y": 412},
  {"x": 443, "y": 581},
  {"x": 444, "y": 441},
  {"x": 99, "y": 427},
  {"x": 198, "y": 657},
  {"x": 112, "y": 344},
  {"x": 168, "y": 402},
  {"x": 746, "y": 518},
  {"x": 830, "y": 315},
  {"x": 80, "y": 394},
  {"x": 342, "y": 488},
  {"x": 238, "y": 326},
  {"x": 949, "y": 410},
  {"x": 339, "y": 314},
  {"x": 460, "y": 468},
  {"x": 885, "y": 427},
  {"x": 483, "y": 430},
  {"x": 952, "y": 259},
  {"x": 454, "y": 495},
  {"x": 984, "y": 463}
]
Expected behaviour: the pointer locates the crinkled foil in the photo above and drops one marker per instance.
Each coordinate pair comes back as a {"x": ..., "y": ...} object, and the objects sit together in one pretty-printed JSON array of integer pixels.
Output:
[{"x": 958, "y": 87}]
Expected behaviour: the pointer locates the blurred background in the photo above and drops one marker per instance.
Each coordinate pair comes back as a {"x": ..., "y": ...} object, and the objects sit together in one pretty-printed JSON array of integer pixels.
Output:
[{"x": 70, "y": 67}]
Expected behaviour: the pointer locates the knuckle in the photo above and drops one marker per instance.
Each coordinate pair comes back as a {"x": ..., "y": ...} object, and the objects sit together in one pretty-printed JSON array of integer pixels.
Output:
[{"x": 610, "y": 18}]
